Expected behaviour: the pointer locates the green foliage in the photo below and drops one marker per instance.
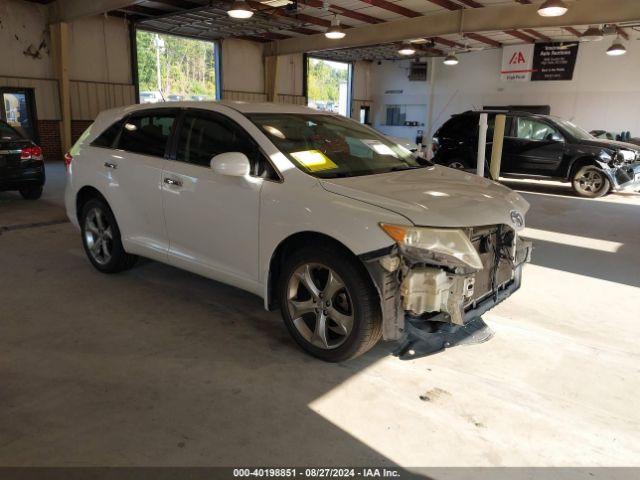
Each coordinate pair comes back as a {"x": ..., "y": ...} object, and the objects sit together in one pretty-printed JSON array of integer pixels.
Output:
[
  {"x": 187, "y": 67},
  {"x": 323, "y": 81}
]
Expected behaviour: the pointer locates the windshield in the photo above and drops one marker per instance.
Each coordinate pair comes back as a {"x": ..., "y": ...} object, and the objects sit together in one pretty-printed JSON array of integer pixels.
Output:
[
  {"x": 574, "y": 130},
  {"x": 328, "y": 146}
]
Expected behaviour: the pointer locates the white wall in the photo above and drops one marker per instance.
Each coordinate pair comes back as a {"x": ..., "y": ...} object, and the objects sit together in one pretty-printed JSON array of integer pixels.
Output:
[
  {"x": 604, "y": 93},
  {"x": 242, "y": 65},
  {"x": 23, "y": 26},
  {"x": 100, "y": 50},
  {"x": 290, "y": 74}
]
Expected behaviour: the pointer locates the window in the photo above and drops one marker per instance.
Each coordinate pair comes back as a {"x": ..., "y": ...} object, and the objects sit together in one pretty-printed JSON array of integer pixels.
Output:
[
  {"x": 146, "y": 134},
  {"x": 531, "y": 129},
  {"x": 461, "y": 126},
  {"x": 329, "y": 86},
  {"x": 108, "y": 137},
  {"x": 202, "y": 137},
  {"x": 8, "y": 133},
  {"x": 173, "y": 68}
]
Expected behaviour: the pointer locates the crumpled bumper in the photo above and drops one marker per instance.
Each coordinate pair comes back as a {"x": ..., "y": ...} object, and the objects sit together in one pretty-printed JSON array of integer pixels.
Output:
[
  {"x": 426, "y": 315},
  {"x": 625, "y": 177},
  {"x": 426, "y": 338}
]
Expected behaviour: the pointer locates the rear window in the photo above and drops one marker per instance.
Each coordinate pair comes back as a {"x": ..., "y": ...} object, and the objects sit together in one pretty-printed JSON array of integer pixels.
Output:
[
  {"x": 146, "y": 134},
  {"x": 8, "y": 133}
]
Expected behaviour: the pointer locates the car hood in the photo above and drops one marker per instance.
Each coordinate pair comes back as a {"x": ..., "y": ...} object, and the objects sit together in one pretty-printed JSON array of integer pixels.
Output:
[
  {"x": 611, "y": 144},
  {"x": 435, "y": 197}
]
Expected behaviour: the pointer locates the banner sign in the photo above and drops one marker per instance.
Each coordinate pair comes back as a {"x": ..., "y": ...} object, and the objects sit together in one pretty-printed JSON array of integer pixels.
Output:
[
  {"x": 517, "y": 63},
  {"x": 554, "y": 61},
  {"x": 539, "y": 62}
]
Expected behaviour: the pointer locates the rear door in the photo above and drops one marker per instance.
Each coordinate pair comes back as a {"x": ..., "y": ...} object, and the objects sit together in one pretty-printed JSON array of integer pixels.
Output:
[
  {"x": 132, "y": 173},
  {"x": 535, "y": 147}
]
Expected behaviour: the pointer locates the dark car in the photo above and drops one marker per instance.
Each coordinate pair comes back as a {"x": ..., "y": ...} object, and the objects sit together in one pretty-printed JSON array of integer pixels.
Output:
[
  {"x": 21, "y": 163},
  {"x": 543, "y": 146}
]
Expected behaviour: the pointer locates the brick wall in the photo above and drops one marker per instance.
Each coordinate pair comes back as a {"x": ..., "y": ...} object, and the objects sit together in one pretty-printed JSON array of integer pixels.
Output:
[
  {"x": 49, "y": 131},
  {"x": 78, "y": 127}
]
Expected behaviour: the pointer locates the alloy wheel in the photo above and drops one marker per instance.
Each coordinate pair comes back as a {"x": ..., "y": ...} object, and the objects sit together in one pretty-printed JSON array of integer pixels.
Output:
[
  {"x": 98, "y": 235},
  {"x": 320, "y": 305},
  {"x": 591, "y": 181}
]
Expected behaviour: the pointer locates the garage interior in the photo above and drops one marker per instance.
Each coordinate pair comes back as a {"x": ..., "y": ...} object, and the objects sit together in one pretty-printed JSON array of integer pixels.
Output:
[{"x": 160, "y": 367}]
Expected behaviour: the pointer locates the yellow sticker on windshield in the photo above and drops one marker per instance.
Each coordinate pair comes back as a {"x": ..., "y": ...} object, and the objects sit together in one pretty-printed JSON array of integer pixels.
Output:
[{"x": 314, "y": 160}]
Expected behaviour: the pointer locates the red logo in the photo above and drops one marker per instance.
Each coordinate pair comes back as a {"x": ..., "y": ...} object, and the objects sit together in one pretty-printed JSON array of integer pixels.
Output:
[{"x": 517, "y": 58}]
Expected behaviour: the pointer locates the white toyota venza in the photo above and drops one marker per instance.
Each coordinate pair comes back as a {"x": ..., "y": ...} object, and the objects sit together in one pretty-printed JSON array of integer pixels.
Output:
[{"x": 350, "y": 235}]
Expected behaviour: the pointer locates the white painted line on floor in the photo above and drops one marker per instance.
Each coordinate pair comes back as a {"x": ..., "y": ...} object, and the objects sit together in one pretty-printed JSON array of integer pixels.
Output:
[{"x": 572, "y": 240}]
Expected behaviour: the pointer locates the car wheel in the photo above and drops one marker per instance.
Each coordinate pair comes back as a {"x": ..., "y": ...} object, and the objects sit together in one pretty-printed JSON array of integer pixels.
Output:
[
  {"x": 589, "y": 181},
  {"x": 456, "y": 163},
  {"x": 101, "y": 238},
  {"x": 329, "y": 305},
  {"x": 31, "y": 193}
]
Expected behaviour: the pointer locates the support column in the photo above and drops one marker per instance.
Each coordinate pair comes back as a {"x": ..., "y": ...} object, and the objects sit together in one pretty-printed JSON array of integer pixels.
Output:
[
  {"x": 60, "y": 55},
  {"x": 271, "y": 77}
]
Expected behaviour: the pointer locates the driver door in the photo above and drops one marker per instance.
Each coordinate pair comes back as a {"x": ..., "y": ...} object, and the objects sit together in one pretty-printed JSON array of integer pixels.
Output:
[
  {"x": 212, "y": 219},
  {"x": 536, "y": 147}
]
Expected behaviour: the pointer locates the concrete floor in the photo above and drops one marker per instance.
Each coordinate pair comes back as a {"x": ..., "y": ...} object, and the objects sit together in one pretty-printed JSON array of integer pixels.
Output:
[{"x": 161, "y": 367}]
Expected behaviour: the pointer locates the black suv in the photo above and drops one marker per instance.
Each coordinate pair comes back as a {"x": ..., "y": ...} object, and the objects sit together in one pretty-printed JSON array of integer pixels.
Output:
[
  {"x": 542, "y": 146},
  {"x": 21, "y": 163}
]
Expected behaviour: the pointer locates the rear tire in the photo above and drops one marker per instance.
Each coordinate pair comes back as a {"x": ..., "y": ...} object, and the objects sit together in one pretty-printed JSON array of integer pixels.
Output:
[
  {"x": 590, "y": 182},
  {"x": 456, "y": 164},
  {"x": 31, "y": 193},
  {"x": 101, "y": 238},
  {"x": 341, "y": 319}
]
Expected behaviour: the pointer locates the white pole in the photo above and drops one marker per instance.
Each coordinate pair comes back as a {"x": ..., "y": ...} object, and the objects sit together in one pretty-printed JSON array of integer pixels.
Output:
[{"x": 482, "y": 143}]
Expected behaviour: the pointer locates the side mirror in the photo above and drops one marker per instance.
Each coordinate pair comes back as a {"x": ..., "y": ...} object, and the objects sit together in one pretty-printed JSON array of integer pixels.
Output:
[{"x": 234, "y": 164}]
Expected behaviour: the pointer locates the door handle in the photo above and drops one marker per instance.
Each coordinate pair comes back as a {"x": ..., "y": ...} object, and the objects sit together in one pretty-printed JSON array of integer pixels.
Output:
[
  {"x": 111, "y": 165},
  {"x": 173, "y": 181}
]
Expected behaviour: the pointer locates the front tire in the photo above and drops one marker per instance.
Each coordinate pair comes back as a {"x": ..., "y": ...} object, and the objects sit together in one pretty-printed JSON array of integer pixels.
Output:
[
  {"x": 328, "y": 304},
  {"x": 31, "y": 193},
  {"x": 101, "y": 238},
  {"x": 590, "y": 182}
]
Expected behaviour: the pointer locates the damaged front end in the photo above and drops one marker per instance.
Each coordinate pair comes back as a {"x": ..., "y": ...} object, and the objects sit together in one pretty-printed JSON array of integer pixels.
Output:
[{"x": 435, "y": 283}]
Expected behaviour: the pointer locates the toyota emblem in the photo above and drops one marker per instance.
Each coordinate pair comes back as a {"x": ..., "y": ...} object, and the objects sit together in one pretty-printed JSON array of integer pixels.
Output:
[{"x": 517, "y": 218}]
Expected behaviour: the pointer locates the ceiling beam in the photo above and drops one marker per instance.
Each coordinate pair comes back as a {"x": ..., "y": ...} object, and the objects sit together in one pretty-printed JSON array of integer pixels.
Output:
[
  {"x": 622, "y": 32},
  {"x": 468, "y": 20},
  {"x": 471, "y": 3},
  {"x": 68, "y": 10},
  {"x": 520, "y": 35},
  {"x": 393, "y": 7},
  {"x": 573, "y": 31},
  {"x": 482, "y": 39},
  {"x": 538, "y": 35},
  {"x": 448, "y": 4},
  {"x": 345, "y": 12},
  {"x": 447, "y": 43}
]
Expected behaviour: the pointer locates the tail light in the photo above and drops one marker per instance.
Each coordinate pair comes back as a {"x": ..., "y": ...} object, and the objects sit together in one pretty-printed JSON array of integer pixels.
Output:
[
  {"x": 67, "y": 160},
  {"x": 31, "y": 153}
]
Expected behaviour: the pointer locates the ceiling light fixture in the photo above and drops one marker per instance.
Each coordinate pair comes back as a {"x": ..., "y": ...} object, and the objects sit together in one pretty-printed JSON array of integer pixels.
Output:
[
  {"x": 406, "y": 49},
  {"x": 616, "y": 49},
  {"x": 451, "y": 59},
  {"x": 552, "y": 8},
  {"x": 592, "y": 34},
  {"x": 240, "y": 9},
  {"x": 335, "y": 31}
]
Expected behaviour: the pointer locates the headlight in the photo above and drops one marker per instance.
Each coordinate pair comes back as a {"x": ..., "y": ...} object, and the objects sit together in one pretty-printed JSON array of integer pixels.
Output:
[
  {"x": 605, "y": 156},
  {"x": 446, "y": 246}
]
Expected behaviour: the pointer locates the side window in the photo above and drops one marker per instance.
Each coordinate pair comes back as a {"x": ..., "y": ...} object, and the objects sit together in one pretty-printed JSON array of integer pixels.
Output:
[
  {"x": 108, "y": 137},
  {"x": 531, "y": 129},
  {"x": 146, "y": 134},
  {"x": 461, "y": 126},
  {"x": 491, "y": 122},
  {"x": 202, "y": 137}
]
